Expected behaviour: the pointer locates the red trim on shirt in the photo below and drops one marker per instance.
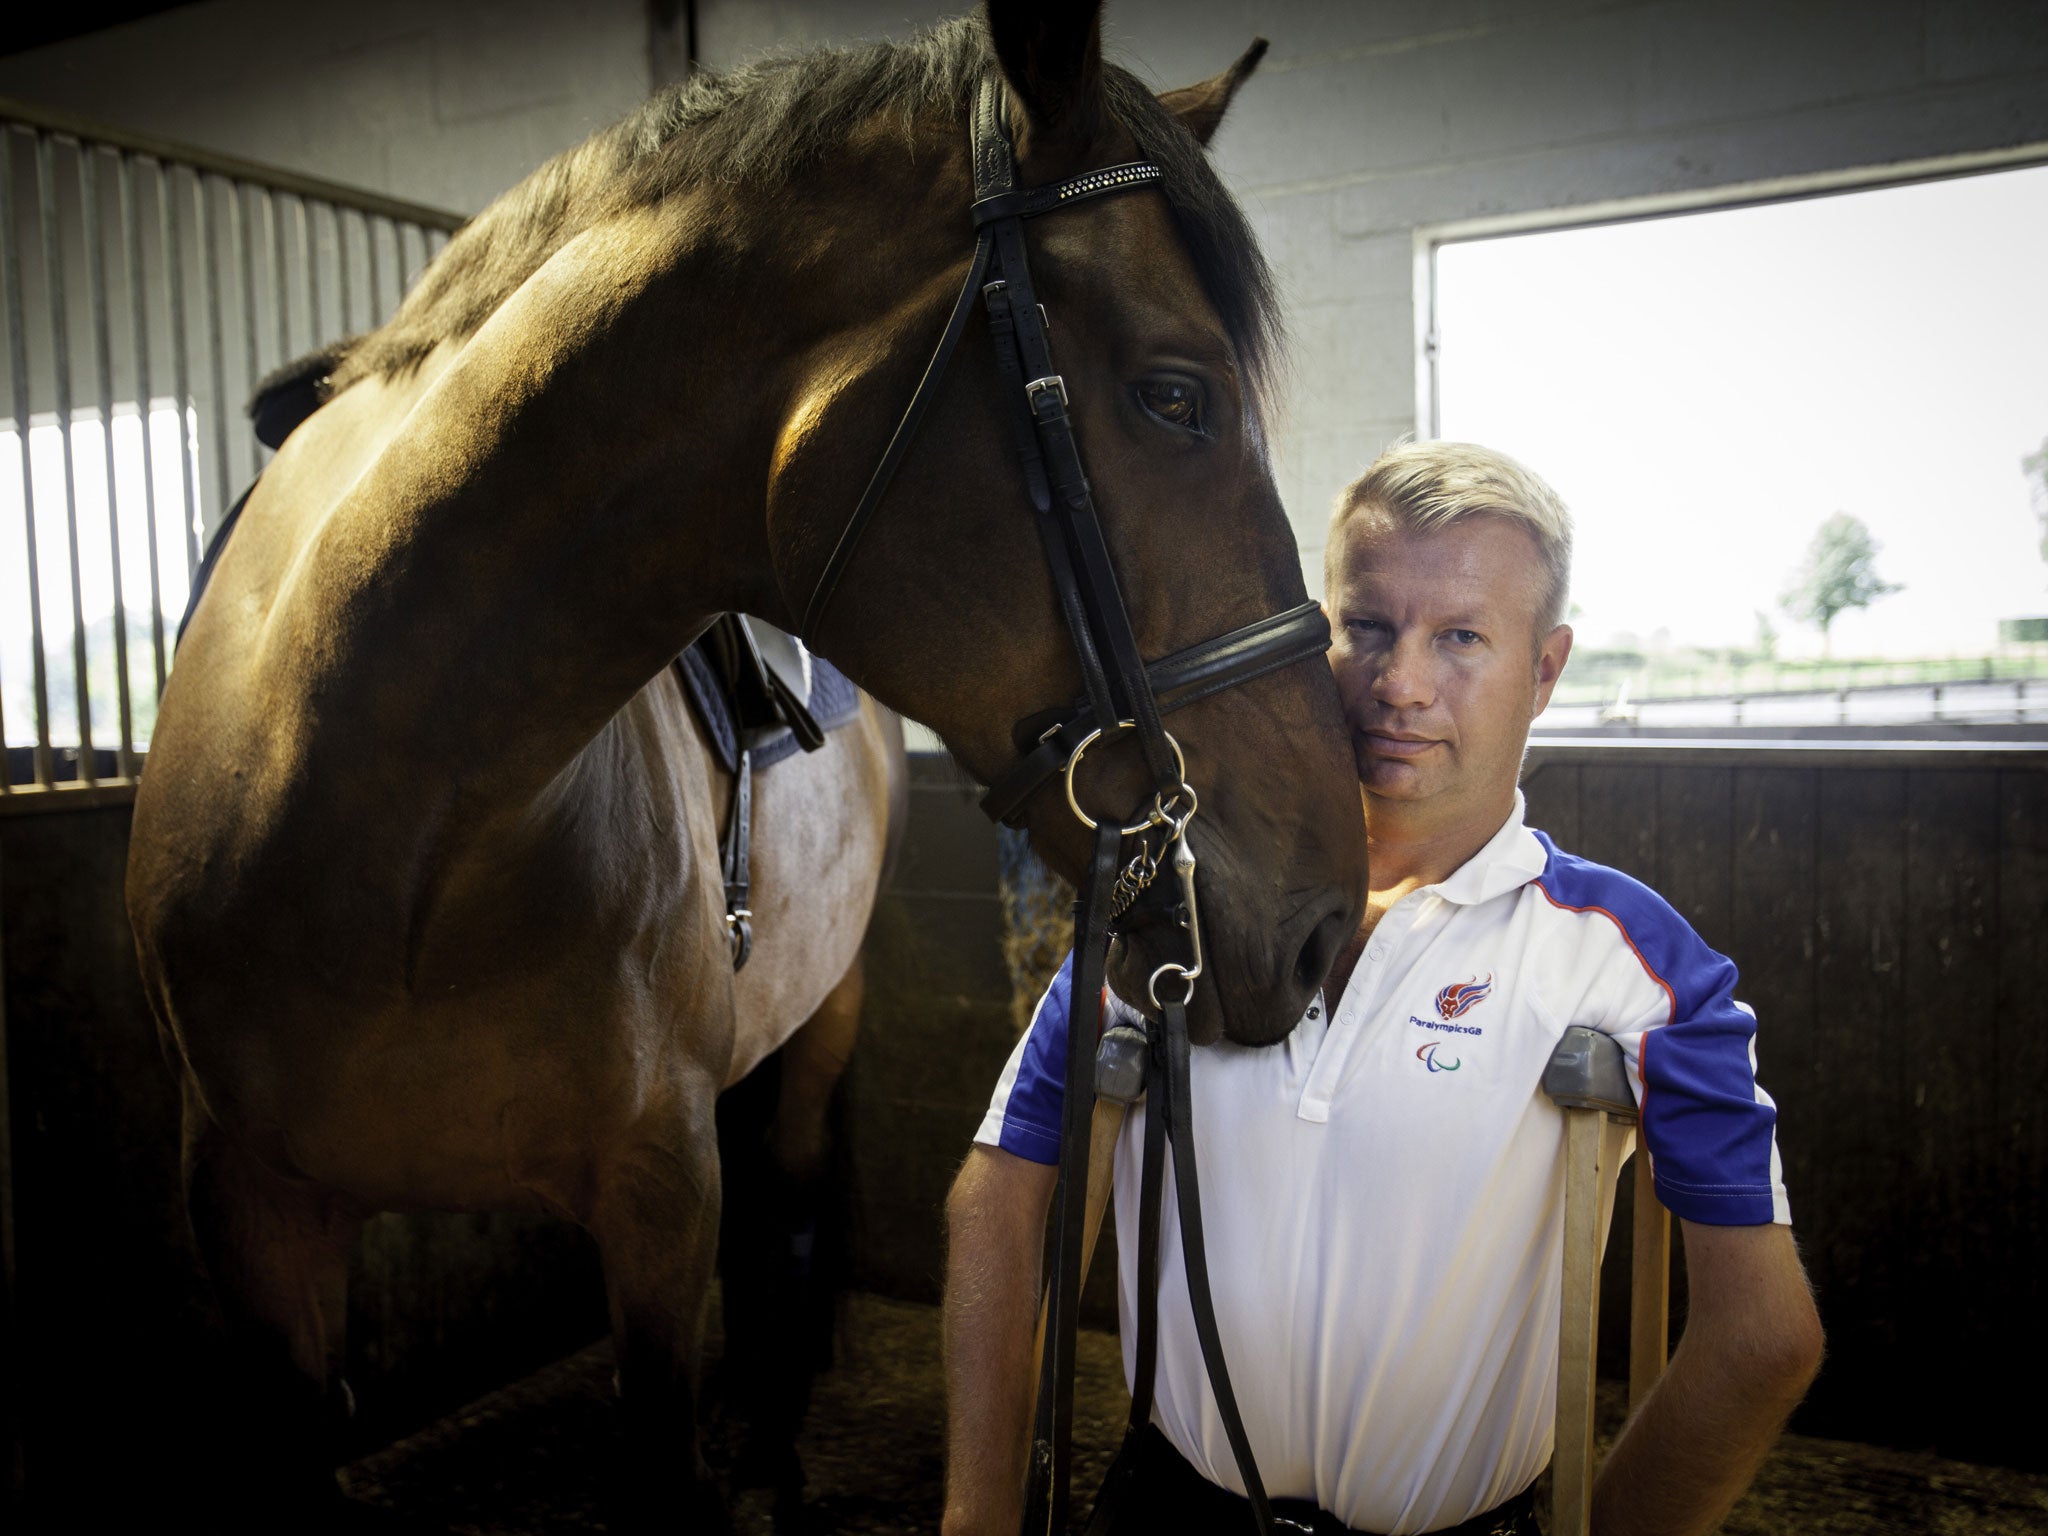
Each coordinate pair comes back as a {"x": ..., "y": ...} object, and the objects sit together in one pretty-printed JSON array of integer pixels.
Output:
[
  {"x": 1670, "y": 996},
  {"x": 1643, "y": 1042}
]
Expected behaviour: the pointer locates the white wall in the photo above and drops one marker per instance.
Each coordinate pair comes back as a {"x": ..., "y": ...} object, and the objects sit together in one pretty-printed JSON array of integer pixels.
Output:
[
  {"x": 1369, "y": 125},
  {"x": 444, "y": 103}
]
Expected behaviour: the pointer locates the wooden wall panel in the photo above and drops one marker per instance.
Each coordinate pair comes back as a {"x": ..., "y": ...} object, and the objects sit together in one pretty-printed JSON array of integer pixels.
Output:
[
  {"x": 1695, "y": 847},
  {"x": 1888, "y": 911},
  {"x": 1771, "y": 936},
  {"x": 1618, "y": 818},
  {"x": 1854, "y": 1108},
  {"x": 2020, "y": 1078},
  {"x": 1552, "y": 793},
  {"x": 1949, "y": 1031}
]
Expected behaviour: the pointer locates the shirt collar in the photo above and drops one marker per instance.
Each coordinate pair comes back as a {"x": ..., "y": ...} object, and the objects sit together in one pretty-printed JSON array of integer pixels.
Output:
[{"x": 1509, "y": 860}]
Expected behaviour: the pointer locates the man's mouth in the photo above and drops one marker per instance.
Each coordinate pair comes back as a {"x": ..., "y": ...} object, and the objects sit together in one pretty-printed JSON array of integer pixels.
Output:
[{"x": 1397, "y": 743}]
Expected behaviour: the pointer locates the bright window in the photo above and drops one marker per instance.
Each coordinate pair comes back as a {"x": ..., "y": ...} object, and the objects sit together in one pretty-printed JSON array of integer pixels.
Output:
[{"x": 1707, "y": 390}]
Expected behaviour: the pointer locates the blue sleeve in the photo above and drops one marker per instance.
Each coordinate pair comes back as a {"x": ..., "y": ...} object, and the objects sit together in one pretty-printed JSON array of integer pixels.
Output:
[
  {"x": 1710, "y": 1129},
  {"x": 1036, "y": 1094}
]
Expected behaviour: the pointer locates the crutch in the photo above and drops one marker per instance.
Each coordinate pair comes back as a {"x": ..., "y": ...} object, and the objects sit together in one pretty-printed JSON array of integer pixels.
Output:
[{"x": 1588, "y": 1079}]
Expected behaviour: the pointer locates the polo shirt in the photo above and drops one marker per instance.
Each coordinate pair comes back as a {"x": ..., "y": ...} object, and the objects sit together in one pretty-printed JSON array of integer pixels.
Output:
[{"x": 1383, "y": 1190}]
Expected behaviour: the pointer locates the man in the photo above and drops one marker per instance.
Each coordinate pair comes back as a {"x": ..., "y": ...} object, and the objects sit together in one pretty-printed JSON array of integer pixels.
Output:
[{"x": 1383, "y": 1189}]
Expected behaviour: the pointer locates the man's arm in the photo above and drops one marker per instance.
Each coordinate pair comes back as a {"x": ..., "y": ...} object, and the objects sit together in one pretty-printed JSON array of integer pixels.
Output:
[
  {"x": 1751, "y": 1346},
  {"x": 995, "y": 1224}
]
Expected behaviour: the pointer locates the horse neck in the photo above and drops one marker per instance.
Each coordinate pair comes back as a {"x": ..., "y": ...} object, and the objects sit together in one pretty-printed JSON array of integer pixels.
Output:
[{"x": 580, "y": 490}]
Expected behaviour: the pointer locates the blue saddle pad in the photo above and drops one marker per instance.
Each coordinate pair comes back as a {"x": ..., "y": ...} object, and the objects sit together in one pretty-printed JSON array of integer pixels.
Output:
[{"x": 834, "y": 701}]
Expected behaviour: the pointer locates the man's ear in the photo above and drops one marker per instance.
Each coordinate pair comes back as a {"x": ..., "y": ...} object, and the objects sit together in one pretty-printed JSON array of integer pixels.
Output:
[
  {"x": 1201, "y": 107},
  {"x": 1050, "y": 52},
  {"x": 1552, "y": 653}
]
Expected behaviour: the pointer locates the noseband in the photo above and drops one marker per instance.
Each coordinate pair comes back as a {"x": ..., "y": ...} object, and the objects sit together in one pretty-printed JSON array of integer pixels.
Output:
[{"x": 1121, "y": 696}]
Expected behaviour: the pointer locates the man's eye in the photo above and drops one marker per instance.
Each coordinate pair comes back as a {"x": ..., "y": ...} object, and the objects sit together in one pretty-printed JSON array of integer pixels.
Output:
[
  {"x": 1177, "y": 402},
  {"x": 1468, "y": 637}
]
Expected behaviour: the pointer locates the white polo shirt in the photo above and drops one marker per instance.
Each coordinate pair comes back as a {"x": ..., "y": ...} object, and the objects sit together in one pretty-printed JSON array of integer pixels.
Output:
[{"x": 1383, "y": 1190}]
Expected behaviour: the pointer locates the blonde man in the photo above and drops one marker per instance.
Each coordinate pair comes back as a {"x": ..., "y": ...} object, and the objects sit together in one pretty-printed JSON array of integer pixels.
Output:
[{"x": 1383, "y": 1188}]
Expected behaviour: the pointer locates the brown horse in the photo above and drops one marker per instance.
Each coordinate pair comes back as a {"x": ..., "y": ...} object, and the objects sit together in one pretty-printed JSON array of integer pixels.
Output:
[{"x": 424, "y": 876}]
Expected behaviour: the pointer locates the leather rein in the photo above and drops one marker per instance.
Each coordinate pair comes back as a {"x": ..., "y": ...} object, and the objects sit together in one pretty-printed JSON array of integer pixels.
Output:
[{"x": 1122, "y": 696}]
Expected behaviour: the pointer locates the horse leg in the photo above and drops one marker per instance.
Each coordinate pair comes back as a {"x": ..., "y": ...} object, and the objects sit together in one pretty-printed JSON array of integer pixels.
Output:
[
  {"x": 655, "y": 1219},
  {"x": 277, "y": 1251},
  {"x": 779, "y": 1293}
]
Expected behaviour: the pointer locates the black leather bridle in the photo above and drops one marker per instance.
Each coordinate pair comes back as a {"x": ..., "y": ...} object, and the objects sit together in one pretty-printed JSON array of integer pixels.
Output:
[{"x": 1122, "y": 696}]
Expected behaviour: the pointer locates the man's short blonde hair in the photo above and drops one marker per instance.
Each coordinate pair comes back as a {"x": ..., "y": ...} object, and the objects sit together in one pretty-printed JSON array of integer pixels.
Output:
[{"x": 1426, "y": 486}]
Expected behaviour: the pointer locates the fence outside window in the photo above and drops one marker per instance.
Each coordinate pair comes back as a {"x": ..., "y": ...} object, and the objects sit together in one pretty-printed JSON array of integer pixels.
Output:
[{"x": 145, "y": 289}]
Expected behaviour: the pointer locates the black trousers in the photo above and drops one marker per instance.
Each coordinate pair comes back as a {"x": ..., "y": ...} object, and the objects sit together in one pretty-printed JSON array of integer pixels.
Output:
[{"x": 1151, "y": 1488}]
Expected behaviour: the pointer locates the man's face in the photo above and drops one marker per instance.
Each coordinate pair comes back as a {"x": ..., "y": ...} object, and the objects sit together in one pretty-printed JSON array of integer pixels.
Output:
[{"x": 1439, "y": 661}]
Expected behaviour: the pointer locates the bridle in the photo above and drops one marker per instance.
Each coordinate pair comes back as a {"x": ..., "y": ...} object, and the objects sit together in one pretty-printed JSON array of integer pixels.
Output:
[{"x": 1122, "y": 696}]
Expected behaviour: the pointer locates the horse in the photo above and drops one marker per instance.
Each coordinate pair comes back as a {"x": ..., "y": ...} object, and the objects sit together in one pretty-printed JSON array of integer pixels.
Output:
[{"x": 423, "y": 872}]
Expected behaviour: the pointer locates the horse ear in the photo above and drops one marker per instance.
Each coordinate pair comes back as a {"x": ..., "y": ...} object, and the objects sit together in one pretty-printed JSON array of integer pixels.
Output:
[
  {"x": 1201, "y": 107},
  {"x": 1050, "y": 52}
]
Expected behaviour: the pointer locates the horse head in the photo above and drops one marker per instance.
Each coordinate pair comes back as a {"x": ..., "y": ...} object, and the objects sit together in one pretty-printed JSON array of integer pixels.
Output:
[{"x": 1161, "y": 319}]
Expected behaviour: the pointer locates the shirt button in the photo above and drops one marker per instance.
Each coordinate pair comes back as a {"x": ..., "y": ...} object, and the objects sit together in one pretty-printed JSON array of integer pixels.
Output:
[{"x": 1379, "y": 951}]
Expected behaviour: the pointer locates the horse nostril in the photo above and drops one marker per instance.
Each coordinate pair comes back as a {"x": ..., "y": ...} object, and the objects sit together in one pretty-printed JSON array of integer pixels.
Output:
[{"x": 1317, "y": 955}]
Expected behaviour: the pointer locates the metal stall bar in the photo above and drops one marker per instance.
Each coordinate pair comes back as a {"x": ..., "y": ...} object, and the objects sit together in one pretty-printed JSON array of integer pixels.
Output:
[
  {"x": 277, "y": 282},
  {"x": 103, "y": 359},
  {"x": 209, "y": 257},
  {"x": 138, "y": 312},
  {"x": 309, "y": 227},
  {"x": 60, "y": 369},
  {"x": 341, "y": 267},
  {"x": 241, "y": 202},
  {"x": 170, "y": 230},
  {"x": 376, "y": 281},
  {"x": 17, "y": 362}
]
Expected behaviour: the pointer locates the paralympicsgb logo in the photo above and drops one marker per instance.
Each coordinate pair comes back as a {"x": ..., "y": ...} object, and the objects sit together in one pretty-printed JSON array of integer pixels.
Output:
[{"x": 1460, "y": 998}]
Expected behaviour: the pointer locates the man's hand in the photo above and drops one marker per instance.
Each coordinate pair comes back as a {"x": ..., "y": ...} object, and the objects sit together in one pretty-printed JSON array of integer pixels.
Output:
[
  {"x": 995, "y": 1225},
  {"x": 1752, "y": 1344}
]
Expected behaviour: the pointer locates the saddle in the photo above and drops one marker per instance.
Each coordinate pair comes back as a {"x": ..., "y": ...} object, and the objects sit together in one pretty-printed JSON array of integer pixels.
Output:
[{"x": 762, "y": 697}]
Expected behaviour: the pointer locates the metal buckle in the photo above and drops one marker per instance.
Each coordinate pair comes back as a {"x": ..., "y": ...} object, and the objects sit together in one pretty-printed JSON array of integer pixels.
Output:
[{"x": 1052, "y": 381}]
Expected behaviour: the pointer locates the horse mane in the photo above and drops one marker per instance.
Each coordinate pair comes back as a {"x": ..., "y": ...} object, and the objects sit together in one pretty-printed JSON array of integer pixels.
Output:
[{"x": 757, "y": 126}]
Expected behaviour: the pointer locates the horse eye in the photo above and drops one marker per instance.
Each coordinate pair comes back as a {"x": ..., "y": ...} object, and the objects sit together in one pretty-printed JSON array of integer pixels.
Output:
[{"x": 1177, "y": 402}]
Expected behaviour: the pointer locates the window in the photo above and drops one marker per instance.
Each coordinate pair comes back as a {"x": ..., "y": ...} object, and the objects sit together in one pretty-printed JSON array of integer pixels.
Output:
[
  {"x": 1711, "y": 391},
  {"x": 142, "y": 486}
]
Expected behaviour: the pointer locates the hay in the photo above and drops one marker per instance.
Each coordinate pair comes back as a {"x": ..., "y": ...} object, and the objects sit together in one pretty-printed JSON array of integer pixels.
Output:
[{"x": 1038, "y": 923}]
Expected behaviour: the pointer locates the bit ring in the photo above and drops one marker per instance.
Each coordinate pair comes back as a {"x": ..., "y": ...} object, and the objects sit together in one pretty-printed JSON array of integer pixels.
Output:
[{"x": 1159, "y": 814}]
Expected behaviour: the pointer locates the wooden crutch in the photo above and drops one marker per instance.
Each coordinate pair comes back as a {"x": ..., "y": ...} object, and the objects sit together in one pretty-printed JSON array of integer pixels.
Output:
[{"x": 1587, "y": 1078}]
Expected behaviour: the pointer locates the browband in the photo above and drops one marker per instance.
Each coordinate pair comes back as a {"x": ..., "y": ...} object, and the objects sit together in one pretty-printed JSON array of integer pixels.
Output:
[
  {"x": 1032, "y": 201},
  {"x": 1177, "y": 681}
]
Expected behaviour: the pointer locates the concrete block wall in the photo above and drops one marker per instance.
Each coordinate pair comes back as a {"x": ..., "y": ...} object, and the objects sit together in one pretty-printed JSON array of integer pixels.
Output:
[{"x": 445, "y": 104}]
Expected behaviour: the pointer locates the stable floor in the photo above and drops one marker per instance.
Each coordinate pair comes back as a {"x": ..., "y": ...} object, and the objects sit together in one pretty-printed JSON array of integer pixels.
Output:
[{"x": 519, "y": 1461}]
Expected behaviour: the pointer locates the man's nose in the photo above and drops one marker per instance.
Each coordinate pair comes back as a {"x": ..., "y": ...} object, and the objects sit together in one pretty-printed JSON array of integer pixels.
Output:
[{"x": 1404, "y": 681}]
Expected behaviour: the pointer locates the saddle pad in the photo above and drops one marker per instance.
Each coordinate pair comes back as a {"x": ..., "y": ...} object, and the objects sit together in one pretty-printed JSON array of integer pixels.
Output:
[{"x": 834, "y": 701}]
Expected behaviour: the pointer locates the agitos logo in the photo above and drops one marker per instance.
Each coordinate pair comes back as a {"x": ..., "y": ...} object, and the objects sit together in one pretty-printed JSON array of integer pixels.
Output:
[
  {"x": 1426, "y": 1054},
  {"x": 1460, "y": 998}
]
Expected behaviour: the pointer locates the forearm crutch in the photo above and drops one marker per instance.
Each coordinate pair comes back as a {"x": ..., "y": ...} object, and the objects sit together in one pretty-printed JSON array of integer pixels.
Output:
[{"x": 1588, "y": 1079}]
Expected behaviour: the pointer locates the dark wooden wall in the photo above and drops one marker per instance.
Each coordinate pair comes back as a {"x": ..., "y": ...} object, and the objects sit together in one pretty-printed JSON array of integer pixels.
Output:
[{"x": 1885, "y": 909}]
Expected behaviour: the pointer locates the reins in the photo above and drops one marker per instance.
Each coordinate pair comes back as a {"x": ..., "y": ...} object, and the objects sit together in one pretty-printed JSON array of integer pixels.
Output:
[{"x": 1121, "y": 696}]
